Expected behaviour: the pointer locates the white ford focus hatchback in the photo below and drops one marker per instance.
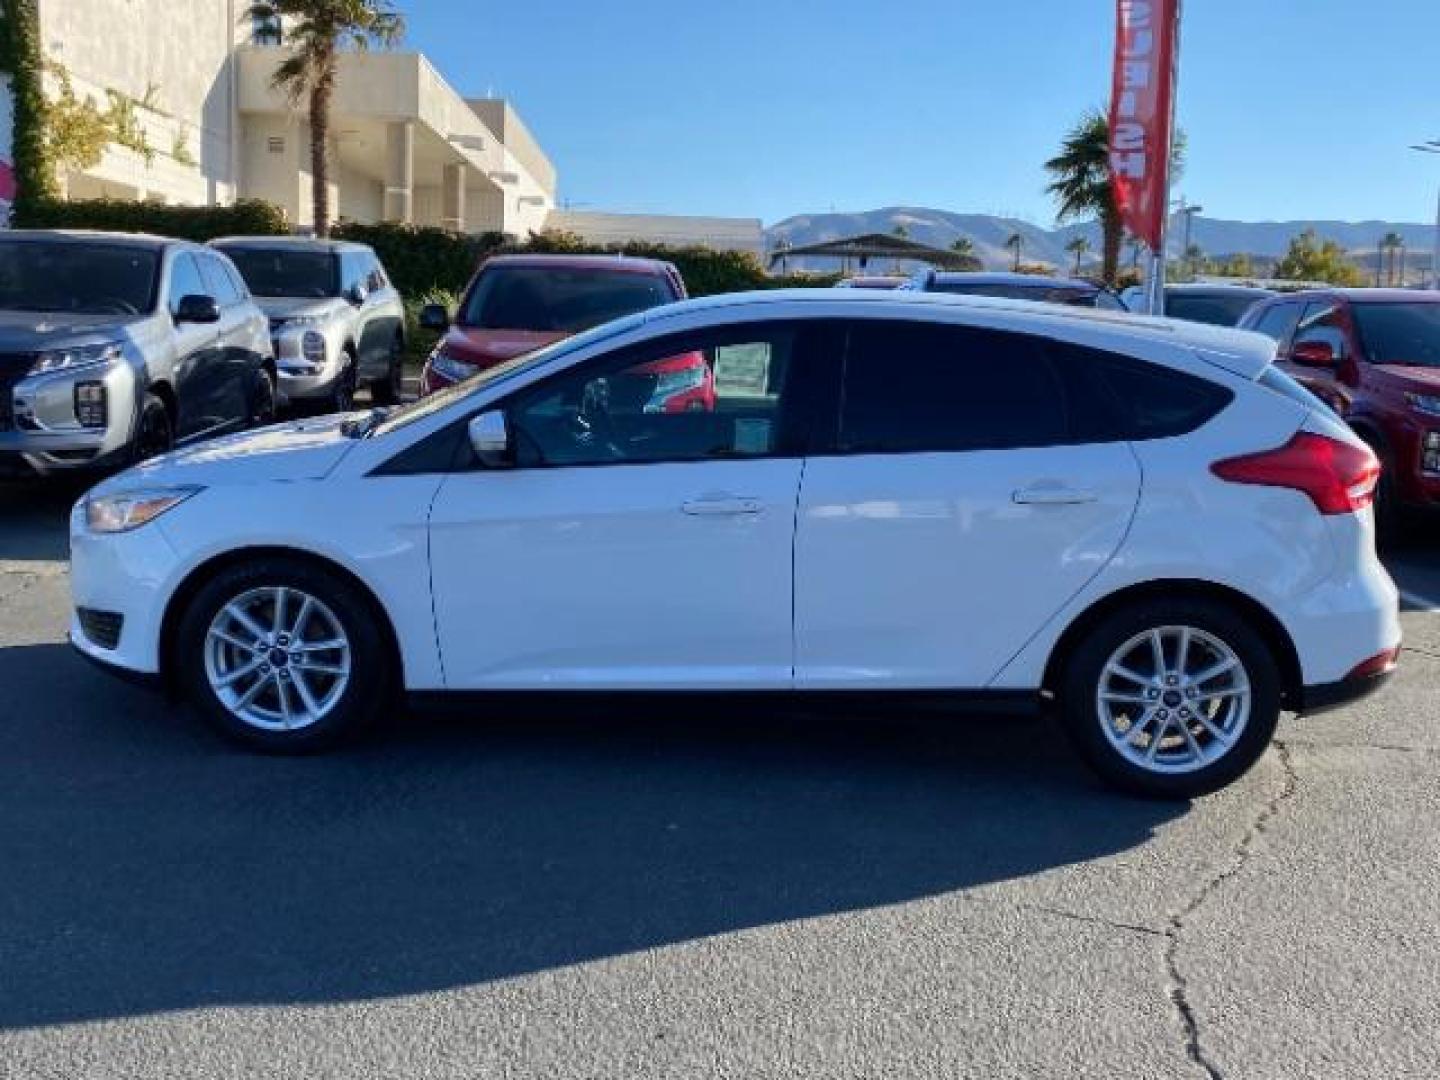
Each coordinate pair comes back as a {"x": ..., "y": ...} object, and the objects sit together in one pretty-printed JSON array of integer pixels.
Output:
[{"x": 1140, "y": 524}]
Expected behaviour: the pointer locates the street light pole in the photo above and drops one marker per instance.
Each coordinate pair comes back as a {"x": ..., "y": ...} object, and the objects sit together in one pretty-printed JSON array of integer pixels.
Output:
[{"x": 1433, "y": 147}]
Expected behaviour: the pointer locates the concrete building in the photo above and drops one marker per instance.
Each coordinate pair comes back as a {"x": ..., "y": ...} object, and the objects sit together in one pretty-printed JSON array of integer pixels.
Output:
[
  {"x": 195, "y": 75},
  {"x": 405, "y": 145}
]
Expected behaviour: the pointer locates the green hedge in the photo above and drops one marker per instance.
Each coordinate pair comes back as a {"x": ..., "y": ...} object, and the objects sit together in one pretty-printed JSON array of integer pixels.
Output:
[
  {"x": 247, "y": 217},
  {"x": 422, "y": 260},
  {"x": 20, "y": 58}
]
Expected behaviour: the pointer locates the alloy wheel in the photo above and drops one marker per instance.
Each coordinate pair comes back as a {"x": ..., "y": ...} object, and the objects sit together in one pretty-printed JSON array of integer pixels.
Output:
[
  {"x": 277, "y": 658},
  {"x": 1173, "y": 699}
]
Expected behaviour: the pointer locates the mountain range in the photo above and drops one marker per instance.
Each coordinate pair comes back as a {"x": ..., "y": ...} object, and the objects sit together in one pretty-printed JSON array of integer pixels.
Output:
[{"x": 1265, "y": 240}]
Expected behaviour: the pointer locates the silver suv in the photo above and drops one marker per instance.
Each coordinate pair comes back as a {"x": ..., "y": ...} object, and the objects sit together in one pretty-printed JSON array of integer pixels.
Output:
[
  {"x": 114, "y": 347},
  {"x": 336, "y": 320}
]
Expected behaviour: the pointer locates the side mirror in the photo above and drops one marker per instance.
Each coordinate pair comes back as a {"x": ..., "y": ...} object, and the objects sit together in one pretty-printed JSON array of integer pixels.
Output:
[
  {"x": 356, "y": 294},
  {"x": 1313, "y": 353},
  {"x": 490, "y": 439},
  {"x": 197, "y": 308},
  {"x": 435, "y": 317}
]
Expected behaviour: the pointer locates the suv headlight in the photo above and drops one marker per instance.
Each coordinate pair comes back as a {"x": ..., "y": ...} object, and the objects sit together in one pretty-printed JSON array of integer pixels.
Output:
[
  {"x": 83, "y": 356},
  {"x": 1426, "y": 403},
  {"x": 130, "y": 509},
  {"x": 449, "y": 367}
]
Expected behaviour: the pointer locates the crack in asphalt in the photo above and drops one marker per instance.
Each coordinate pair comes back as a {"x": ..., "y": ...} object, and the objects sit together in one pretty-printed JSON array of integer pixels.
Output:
[
  {"x": 1179, "y": 985},
  {"x": 1095, "y": 920},
  {"x": 1416, "y": 650}
]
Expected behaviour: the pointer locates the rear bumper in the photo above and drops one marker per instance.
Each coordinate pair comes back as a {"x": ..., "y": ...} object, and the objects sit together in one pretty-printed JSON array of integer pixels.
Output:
[{"x": 1327, "y": 696}]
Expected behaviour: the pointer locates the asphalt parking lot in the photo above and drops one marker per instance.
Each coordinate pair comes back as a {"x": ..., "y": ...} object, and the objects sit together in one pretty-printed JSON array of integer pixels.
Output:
[{"x": 686, "y": 891}]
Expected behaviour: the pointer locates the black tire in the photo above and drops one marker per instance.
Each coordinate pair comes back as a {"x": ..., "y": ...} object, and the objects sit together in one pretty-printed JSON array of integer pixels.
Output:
[
  {"x": 387, "y": 391},
  {"x": 361, "y": 701},
  {"x": 342, "y": 394},
  {"x": 262, "y": 404},
  {"x": 154, "y": 430},
  {"x": 1389, "y": 514},
  {"x": 1081, "y": 680}
]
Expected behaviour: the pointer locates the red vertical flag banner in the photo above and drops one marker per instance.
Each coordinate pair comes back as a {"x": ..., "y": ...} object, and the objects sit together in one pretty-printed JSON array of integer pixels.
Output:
[{"x": 1142, "y": 114}]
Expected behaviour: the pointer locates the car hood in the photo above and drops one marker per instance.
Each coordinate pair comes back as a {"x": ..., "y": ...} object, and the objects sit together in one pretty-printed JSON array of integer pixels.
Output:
[
  {"x": 486, "y": 348},
  {"x": 32, "y": 331},
  {"x": 292, "y": 307},
  {"x": 1425, "y": 380},
  {"x": 301, "y": 450}
]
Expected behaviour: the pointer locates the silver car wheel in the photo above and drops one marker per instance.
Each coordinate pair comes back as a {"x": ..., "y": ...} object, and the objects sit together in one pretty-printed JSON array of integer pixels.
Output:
[
  {"x": 1173, "y": 699},
  {"x": 277, "y": 658}
]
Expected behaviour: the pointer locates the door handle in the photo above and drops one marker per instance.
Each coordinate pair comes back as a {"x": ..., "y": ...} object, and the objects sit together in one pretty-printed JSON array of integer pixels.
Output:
[
  {"x": 720, "y": 506},
  {"x": 1055, "y": 495}
]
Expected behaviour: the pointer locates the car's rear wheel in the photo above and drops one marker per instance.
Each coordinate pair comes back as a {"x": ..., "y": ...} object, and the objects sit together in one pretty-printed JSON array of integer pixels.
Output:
[
  {"x": 155, "y": 430},
  {"x": 282, "y": 656},
  {"x": 1171, "y": 699}
]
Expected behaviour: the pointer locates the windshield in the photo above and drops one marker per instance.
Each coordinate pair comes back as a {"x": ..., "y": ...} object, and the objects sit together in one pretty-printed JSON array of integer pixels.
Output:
[
  {"x": 115, "y": 279},
  {"x": 273, "y": 272},
  {"x": 1400, "y": 333},
  {"x": 405, "y": 415},
  {"x": 1077, "y": 297},
  {"x": 558, "y": 299},
  {"x": 1212, "y": 309}
]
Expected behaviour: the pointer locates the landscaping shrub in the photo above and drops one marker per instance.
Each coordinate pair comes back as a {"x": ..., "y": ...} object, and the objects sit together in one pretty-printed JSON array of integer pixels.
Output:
[{"x": 247, "y": 217}]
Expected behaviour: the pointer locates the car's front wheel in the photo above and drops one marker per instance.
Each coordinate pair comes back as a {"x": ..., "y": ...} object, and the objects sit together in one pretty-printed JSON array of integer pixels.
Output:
[
  {"x": 387, "y": 391},
  {"x": 1171, "y": 699},
  {"x": 283, "y": 656}
]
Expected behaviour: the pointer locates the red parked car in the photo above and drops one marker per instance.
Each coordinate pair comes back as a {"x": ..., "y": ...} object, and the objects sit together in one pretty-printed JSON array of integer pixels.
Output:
[
  {"x": 1374, "y": 356},
  {"x": 518, "y": 303}
]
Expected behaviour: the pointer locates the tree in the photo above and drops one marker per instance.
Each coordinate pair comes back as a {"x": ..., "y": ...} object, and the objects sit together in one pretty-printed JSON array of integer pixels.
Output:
[
  {"x": 1016, "y": 243},
  {"x": 317, "y": 31},
  {"x": 1311, "y": 259},
  {"x": 963, "y": 245},
  {"x": 1078, "y": 247},
  {"x": 900, "y": 231},
  {"x": 1080, "y": 183}
]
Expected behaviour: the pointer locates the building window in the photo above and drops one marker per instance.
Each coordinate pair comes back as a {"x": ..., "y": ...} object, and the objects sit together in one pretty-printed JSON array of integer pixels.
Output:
[{"x": 265, "y": 29}]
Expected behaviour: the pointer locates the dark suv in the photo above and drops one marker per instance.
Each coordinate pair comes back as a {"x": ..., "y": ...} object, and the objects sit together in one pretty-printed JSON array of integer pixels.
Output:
[{"x": 1374, "y": 356}]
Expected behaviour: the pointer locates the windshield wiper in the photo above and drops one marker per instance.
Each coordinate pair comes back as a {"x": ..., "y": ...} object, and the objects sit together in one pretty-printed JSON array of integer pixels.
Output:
[{"x": 362, "y": 426}]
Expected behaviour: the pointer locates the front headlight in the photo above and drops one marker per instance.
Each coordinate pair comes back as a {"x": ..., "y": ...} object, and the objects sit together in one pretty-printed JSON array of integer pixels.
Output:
[
  {"x": 83, "y": 356},
  {"x": 130, "y": 509},
  {"x": 1429, "y": 404}
]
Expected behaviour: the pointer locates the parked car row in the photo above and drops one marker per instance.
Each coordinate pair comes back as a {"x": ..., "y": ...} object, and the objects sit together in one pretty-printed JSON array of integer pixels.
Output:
[{"x": 116, "y": 348}]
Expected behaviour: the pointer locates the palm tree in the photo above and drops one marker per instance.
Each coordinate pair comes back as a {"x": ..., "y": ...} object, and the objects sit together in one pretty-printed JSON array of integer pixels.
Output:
[
  {"x": 317, "y": 31},
  {"x": 1081, "y": 183},
  {"x": 1078, "y": 247},
  {"x": 1015, "y": 242},
  {"x": 1392, "y": 242}
]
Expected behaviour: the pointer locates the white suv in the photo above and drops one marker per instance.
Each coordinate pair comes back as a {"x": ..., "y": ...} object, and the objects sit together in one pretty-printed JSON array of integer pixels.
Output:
[{"x": 1140, "y": 524}]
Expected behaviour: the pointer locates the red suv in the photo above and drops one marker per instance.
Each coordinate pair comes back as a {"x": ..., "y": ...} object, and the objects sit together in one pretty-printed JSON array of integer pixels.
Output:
[
  {"x": 517, "y": 303},
  {"x": 1374, "y": 356}
]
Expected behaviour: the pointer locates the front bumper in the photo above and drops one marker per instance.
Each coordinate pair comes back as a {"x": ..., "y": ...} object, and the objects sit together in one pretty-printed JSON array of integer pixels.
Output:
[
  {"x": 301, "y": 377},
  {"x": 45, "y": 436}
]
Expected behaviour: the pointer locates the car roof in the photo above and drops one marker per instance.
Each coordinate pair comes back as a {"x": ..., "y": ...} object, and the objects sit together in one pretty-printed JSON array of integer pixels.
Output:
[
  {"x": 91, "y": 236},
  {"x": 1366, "y": 296},
  {"x": 293, "y": 243},
  {"x": 619, "y": 263},
  {"x": 1203, "y": 289},
  {"x": 1239, "y": 351},
  {"x": 1033, "y": 281}
]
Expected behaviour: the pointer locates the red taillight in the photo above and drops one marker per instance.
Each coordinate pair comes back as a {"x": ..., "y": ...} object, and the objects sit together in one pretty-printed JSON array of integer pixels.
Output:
[{"x": 1338, "y": 476}]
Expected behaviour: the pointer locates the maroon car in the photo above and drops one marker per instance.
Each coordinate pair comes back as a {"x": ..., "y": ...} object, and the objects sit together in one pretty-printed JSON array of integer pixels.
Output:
[
  {"x": 1374, "y": 356},
  {"x": 517, "y": 303}
]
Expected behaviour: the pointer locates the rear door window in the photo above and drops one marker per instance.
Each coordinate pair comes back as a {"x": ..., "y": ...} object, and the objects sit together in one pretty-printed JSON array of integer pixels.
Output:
[
  {"x": 1278, "y": 321},
  {"x": 930, "y": 387}
]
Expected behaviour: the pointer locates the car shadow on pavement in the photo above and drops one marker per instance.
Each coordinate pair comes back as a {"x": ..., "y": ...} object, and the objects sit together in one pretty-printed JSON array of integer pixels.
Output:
[
  {"x": 147, "y": 867},
  {"x": 33, "y": 518}
]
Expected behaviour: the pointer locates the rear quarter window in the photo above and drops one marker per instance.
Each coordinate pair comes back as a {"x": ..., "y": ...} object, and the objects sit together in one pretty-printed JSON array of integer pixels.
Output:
[{"x": 1121, "y": 398}]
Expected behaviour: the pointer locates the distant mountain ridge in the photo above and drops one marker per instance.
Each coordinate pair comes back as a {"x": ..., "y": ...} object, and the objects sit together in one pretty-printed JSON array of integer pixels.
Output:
[{"x": 1215, "y": 236}]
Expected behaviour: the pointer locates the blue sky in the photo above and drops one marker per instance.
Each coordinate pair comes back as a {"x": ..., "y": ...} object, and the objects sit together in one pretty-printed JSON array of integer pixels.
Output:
[{"x": 766, "y": 108}]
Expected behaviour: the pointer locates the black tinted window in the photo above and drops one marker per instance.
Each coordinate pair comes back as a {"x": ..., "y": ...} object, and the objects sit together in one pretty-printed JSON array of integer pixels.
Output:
[
  {"x": 1121, "y": 398},
  {"x": 1215, "y": 310},
  {"x": 1400, "y": 333},
  {"x": 277, "y": 272},
  {"x": 36, "y": 275},
  {"x": 923, "y": 387},
  {"x": 558, "y": 299}
]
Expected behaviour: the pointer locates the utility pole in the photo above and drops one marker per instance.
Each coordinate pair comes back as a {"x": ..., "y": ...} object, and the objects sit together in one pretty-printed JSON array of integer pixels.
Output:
[{"x": 1433, "y": 147}]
